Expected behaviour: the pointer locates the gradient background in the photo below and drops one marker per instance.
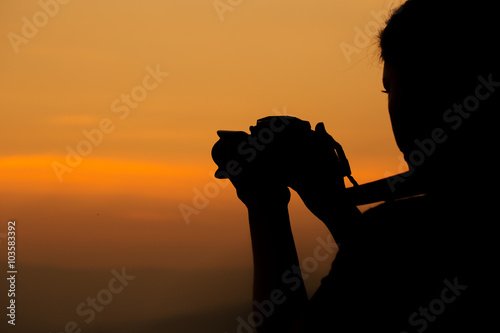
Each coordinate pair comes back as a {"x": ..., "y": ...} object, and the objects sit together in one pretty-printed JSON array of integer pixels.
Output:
[{"x": 119, "y": 207}]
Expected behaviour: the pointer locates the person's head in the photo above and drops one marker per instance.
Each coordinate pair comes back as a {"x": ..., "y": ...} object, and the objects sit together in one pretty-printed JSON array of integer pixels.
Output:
[{"x": 435, "y": 53}]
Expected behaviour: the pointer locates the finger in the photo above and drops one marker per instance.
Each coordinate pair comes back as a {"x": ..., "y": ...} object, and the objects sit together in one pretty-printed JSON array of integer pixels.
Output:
[
  {"x": 320, "y": 128},
  {"x": 338, "y": 151}
]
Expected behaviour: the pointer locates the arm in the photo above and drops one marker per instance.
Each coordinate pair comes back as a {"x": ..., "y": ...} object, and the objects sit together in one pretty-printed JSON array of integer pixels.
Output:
[
  {"x": 332, "y": 205},
  {"x": 276, "y": 289},
  {"x": 279, "y": 293},
  {"x": 318, "y": 177},
  {"x": 305, "y": 161}
]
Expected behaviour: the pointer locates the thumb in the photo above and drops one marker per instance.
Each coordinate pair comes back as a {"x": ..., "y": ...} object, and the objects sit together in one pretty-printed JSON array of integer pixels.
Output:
[{"x": 320, "y": 128}]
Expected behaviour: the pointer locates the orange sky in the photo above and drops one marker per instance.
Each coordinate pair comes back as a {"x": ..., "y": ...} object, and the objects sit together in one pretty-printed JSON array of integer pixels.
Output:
[{"x": 91, "y": 77}]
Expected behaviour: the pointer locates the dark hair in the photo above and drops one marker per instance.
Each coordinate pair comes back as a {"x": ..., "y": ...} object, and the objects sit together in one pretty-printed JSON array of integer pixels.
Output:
[{"x": 452, "y": 35}]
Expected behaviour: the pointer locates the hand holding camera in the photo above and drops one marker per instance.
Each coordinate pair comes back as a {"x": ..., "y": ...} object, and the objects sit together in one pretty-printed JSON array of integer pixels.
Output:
[{"x": 281, "y": 152}]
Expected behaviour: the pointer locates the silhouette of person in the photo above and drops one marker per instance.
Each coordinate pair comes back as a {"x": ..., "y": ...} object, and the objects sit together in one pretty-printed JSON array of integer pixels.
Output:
[{"x": 414, "y": 263}]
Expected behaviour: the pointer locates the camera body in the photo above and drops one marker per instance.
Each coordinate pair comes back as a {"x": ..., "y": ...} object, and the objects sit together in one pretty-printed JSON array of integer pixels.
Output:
[
  {"x": 269, "y": 146},
  {"x": 278, "y": 146}
]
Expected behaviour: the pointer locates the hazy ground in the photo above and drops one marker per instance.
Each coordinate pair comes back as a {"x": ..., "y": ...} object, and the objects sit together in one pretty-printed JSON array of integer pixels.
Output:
[{"x": 155, "y": 300}]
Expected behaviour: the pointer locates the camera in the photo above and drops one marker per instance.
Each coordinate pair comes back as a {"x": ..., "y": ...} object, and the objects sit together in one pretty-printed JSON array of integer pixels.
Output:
[{"x": 280, "y": 146}]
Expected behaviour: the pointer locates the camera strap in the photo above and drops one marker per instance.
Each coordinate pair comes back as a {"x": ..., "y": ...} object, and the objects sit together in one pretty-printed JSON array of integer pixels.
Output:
[{"x": 344, "y": 163}]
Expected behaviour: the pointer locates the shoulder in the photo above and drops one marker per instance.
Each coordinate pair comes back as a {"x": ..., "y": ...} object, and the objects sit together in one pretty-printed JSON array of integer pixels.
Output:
[
  {"x": 428, "y": 223},
  {"x": 409, "y": 208}
]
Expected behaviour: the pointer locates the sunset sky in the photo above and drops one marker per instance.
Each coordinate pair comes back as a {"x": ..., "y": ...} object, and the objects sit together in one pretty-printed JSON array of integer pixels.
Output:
[
  {"x": 109, "y": 113},
  {"x": 140, "y": 88}
]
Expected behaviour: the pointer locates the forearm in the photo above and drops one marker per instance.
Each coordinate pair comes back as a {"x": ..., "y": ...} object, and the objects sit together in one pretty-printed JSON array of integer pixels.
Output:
[
  {"x": 334, "y": 208},
  {"x": 275, "y": 257}
]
